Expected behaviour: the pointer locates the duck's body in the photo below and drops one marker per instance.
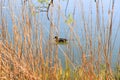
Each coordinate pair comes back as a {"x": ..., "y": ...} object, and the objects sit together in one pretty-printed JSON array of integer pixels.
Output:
[{"x": 60, "y": 40}]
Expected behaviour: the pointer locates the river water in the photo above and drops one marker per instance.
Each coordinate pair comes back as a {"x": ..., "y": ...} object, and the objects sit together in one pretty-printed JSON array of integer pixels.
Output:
[{"x": 82, "y": 11}]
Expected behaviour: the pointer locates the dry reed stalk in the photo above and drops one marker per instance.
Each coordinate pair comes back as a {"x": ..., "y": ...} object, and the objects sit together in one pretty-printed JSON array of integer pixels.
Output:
[
  {"x": 56, "y": 61},
  {"x": 16, "y": 65},
  {"x": 110, "y": 33},
  {"x": 3, "y": 29},
  {"x": 51, "y": 36},
  {"x": 0, "y": 58},
  {"x": 98, "y": 34}
]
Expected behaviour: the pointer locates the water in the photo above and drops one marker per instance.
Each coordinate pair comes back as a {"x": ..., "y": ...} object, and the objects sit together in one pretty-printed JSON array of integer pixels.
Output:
[{"x": 89, "y": 7}]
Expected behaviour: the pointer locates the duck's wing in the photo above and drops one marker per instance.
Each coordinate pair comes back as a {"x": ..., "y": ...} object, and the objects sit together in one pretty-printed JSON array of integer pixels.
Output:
[{"x": 62, "y": 40}]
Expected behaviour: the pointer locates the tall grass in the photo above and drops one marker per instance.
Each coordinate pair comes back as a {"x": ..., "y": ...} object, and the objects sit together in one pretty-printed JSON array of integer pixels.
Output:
[{"x": 26, "y": 53}]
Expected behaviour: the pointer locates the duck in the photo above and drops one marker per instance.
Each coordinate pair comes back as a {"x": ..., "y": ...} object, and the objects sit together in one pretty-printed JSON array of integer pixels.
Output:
[{"x": 60, "y": 40}]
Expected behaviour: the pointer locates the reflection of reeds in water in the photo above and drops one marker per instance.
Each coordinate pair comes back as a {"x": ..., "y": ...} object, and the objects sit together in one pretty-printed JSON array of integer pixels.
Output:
[{"x": 25, "y": 54}]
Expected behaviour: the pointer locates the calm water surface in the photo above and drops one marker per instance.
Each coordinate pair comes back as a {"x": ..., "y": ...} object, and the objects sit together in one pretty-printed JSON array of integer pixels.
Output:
[{"x": 89, "y": 6}]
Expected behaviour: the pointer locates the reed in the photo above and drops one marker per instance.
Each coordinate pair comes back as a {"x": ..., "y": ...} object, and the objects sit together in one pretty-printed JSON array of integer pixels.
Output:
[{"x": 26, "y": 53}]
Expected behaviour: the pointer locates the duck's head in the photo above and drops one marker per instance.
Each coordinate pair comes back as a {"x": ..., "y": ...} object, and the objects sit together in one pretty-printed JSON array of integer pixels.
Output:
[{"x": 56, "y": 37}]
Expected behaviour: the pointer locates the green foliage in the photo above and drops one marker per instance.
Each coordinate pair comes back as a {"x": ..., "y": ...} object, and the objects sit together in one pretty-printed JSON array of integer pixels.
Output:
[
  {"x": 70, "y": 19},
  {"x": 67, "y": 71},
  {"x": 102, "y": 71},
  {"x": 117, "y": 72},
  {"x": 43, "y": 1}
]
